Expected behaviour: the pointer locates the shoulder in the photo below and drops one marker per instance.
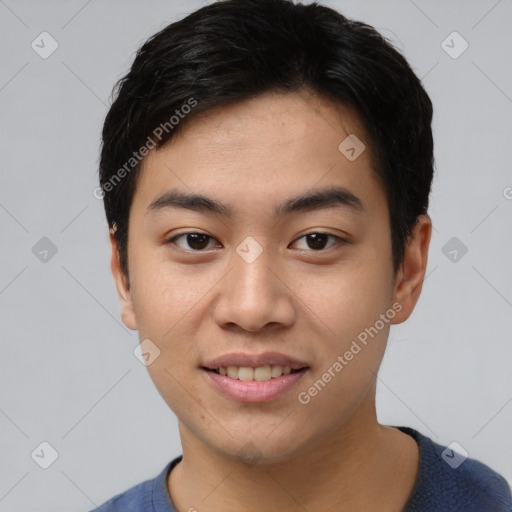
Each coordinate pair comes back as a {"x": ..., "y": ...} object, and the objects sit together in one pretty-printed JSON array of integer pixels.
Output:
[
  {"x": 449, "y": 480},
  {"x": 150, "y": 495},
  {"x": 134, "y": 499}
]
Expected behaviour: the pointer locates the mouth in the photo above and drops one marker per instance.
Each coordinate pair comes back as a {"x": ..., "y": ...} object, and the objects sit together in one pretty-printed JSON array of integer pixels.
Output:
[
  {"x": 258, "y": 373},
  {"x": 248, "y": 385}
]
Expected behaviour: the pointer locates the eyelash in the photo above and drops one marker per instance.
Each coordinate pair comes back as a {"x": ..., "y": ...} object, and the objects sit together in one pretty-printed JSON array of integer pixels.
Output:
[{"x": 337, "y": 238}]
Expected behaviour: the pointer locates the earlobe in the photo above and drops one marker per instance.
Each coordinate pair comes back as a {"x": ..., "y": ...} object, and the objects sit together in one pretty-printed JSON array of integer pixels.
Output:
[
  {"x": 411, "y": 274},
  {"x": 123, "y": 287}
]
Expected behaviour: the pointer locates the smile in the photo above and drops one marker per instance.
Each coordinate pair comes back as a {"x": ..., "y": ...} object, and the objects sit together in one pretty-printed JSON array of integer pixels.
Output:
[
  {"x": 254, "y": 385},
  {"x": 260, "y": 373}
]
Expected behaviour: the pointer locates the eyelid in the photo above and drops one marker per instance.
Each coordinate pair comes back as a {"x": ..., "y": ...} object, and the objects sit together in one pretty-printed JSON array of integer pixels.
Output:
[
  {"x": 174, "y": 237},
  {"x": 339, "y": 239}
]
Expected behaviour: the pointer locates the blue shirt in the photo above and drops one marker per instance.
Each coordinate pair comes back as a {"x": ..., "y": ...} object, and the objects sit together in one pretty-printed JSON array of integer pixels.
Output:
[{"x": 445, "y": 483}]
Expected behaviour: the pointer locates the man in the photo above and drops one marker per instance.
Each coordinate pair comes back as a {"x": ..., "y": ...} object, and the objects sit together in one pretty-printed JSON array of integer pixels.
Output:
[{"x": 266, "y": 169}]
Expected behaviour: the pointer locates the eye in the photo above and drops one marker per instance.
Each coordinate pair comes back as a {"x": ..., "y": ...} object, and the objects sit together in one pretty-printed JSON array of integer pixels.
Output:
[
  {"x": 317, "y": 241},
  {"x": 195, "y": 241},
  {"x": 198, "y": 242}
]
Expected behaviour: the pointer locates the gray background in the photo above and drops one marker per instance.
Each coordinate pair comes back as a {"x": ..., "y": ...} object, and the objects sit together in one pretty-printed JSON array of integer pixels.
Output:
[{"x": 68, "y": 374}]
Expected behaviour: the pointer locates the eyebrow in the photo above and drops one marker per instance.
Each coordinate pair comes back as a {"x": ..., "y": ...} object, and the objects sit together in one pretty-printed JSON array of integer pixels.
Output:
[{"x": 310, "y": 201}]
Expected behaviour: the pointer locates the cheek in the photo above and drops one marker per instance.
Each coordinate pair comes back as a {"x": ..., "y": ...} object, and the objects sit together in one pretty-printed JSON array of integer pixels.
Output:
[
  {"x": 351, "y": 344},
  {"x": 347, "y": 298},
  {"x": 349, "y": 301},
  {"x": 165, "y": 297},
  {"x": 162, "y": 294}
]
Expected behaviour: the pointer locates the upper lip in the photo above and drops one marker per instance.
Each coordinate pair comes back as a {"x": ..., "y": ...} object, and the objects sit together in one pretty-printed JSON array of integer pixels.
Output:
[{"x": 254, "y": 360}]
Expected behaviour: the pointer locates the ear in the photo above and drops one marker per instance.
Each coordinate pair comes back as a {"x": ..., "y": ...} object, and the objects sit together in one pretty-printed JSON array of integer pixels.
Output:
[
  {"x": 122, "y": 286},
  {"x": 410, "y": 275}
]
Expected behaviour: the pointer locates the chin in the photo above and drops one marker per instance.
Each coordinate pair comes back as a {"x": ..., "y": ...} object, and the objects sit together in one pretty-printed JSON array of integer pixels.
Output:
[{"x": 253, "y": 450}]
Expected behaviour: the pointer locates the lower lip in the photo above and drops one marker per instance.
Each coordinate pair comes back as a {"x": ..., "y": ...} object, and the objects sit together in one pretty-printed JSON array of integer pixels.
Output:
[{"x": 253, "y": 391}]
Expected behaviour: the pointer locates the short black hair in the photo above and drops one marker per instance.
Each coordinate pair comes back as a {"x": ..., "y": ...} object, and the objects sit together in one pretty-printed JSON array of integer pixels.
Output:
[{"x": 232, "y": 50}]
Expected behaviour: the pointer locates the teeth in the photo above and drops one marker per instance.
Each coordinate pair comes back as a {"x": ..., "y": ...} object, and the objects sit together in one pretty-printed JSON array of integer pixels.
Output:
[
  {"x": 245, "y": 373},
  {"x": 232, "y": 372},
  {"x": 276, "y": 371},
  {"x": 260, "y": 373}
]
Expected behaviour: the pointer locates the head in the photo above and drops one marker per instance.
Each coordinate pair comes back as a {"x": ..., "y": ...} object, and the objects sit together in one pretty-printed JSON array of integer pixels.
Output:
[{"x": 265, "y": 171}]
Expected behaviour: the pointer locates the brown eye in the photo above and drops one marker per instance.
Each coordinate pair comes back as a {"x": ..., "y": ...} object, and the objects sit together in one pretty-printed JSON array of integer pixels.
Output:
[
  {"x": 194, "y": 241},
  {"x": 318, "y": 241}
]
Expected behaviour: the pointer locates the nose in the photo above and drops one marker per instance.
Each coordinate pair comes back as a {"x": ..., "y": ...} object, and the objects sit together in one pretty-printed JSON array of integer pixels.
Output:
[{"x": 255, "y": 295}]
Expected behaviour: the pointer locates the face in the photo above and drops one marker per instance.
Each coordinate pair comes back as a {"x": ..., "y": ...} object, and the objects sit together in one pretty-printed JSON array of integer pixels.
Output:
[{"x": 259, "y": 278}]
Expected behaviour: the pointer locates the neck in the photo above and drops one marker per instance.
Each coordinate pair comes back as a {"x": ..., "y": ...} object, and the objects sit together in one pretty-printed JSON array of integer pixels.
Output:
[{"x": 351, "y": 468}]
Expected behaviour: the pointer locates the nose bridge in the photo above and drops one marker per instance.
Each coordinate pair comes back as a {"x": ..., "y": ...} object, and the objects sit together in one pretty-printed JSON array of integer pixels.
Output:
[
  {"x": 252, "y": 276},
  {"x": 252, "y": 296}
]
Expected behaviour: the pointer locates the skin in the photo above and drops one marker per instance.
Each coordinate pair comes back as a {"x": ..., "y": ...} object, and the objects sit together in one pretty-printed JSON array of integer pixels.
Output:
[{"x": 331, "y": 453}]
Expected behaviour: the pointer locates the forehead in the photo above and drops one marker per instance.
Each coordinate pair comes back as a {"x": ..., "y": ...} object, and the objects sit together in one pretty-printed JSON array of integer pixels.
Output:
[{"x": 252, "y": 155}]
